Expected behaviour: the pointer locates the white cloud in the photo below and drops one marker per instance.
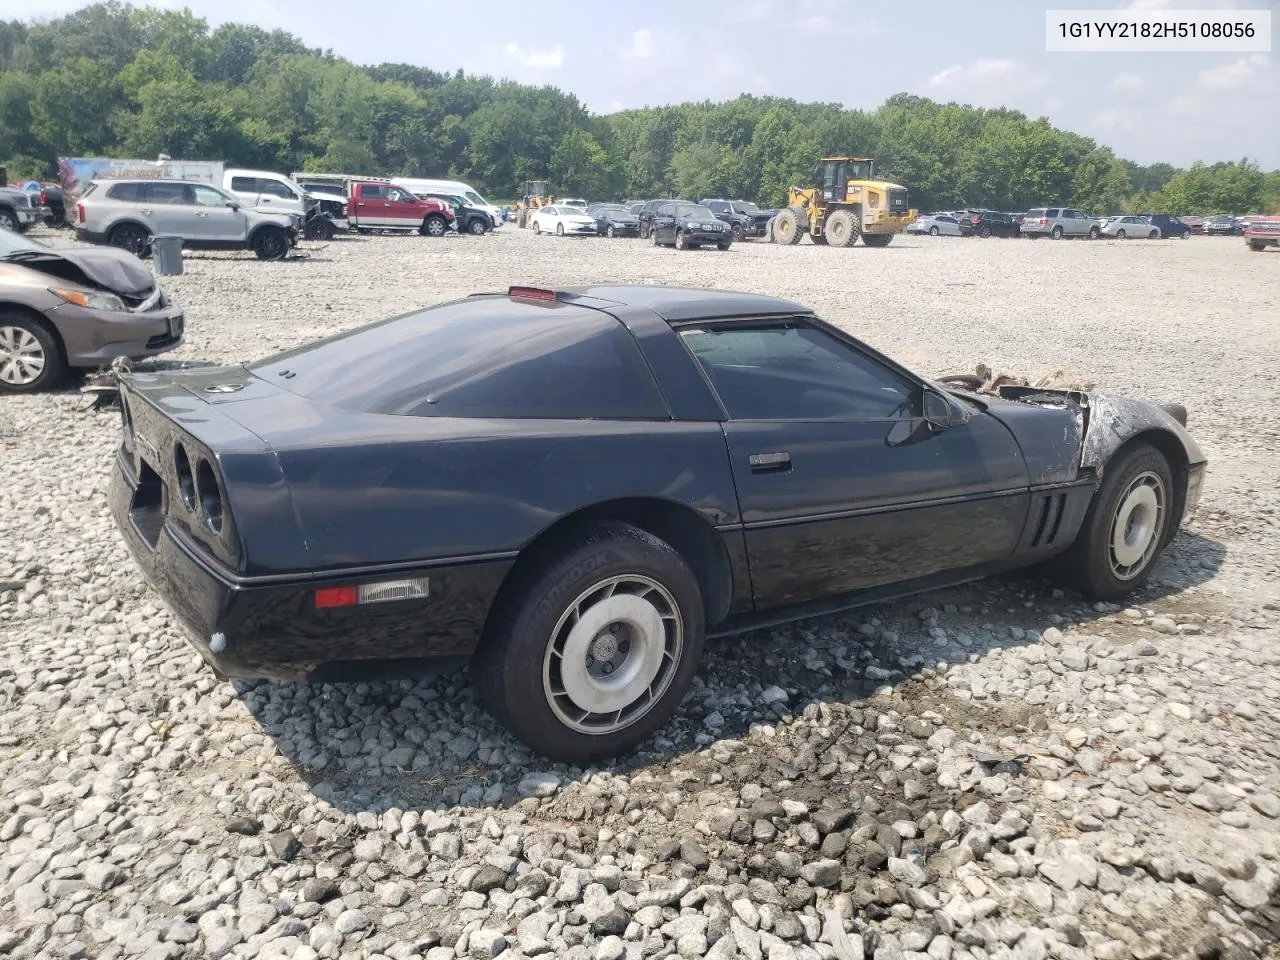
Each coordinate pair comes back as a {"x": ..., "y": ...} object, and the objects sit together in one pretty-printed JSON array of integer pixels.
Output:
[
  {"x": 1232, "y": 76},
  {"x": 534, "y": 59},
  {"x": 641, "y": 45},
  {"x": 1114, "y": 120},
  {"x": 980, "y": 71},
  {"x": 985, "y": 82},
  {"x": 1128, "y": 82}
]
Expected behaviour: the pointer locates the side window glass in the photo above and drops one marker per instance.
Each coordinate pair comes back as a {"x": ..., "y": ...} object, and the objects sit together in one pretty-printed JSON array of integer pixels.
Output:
[
  {"x": 796, "y": 373},
  {"x": 208, "y": 197},
  {"x": 167, "y": 192},
  {"x": 1052, "y": 212},
  {"x": 276, "y": 189},
  {"x": 244, "y": 184},
  {"x": 373, "y": 191}
]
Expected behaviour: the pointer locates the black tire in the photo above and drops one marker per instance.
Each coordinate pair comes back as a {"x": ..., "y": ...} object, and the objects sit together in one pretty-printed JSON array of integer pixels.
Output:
[
  {"x": 842, "y": 228},
  {"x": 1257, "y": 247},
  {"x": 790, "y": 226},
  {"x": 1119, "y": 234},
  {"x": 9, "y": 220},
  {"x": 933, "y": 231},
  {"x": 1088, "y": 564},
  {"x": 17, "y": 333},
  {"x": 1153, "y": 235},
  {"x": 681, "y": 243},
  {"x": 131, "y": 237},
  {"x": 320, "y": 228},
  {"x": 1056, "y": 233},
  {"x": 270, "y": 244},
  {"x": 559, "y": 229},
  {"x": 610, "y": 232},
  {"x": 736, "y": 233},
  {"x": 653, "y": 235},
  {"x": 476, "y": 227},
  {"x": 434, "y": 226},
  {"x": 1093, "y": 233},
  {"x": 522, "y": 220},
  {"x": 984, "y": 232},
  {"x": 724, "y": 246},
  {"x": 516, "y": 674},
  {"x": 877, "y": 239}
]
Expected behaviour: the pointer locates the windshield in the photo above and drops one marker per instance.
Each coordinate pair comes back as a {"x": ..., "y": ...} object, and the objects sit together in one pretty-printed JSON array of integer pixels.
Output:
[
  {"x": 747, "y": 206},
  {"x": 475, "y": 198},
  {"x": 614, "y": 210},
  {"x": 16, "y": 243},
  {"x": 694, "y": 211}
]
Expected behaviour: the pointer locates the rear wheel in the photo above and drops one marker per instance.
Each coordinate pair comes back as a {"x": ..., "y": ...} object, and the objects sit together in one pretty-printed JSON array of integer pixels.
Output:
[
  {"x": 590, "y": 654},
  {"x": 131, "y": 237},
  {"x": 842, "y": 228},
  {"x": 1125, "y": 527},
  {"x": 791, "y": 224},
  {"x": 984, "y": 231},
  {"x": 522, "y": 221},
  {"x": 1093, "y": 233},
  {"x": 1257, "y": 247},
  {"x": 320, "y": 228},
  {"x": 270, "y": 244},
  {"x": 30, "y": 356},
  {"x": 877, "y": 239},
  {"x": 1119, "y": 234},
  {"x": 1056, "y": 233}
]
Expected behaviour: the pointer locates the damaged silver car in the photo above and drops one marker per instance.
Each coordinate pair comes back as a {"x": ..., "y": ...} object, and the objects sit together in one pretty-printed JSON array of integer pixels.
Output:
[{"x": 76, "y": 308}]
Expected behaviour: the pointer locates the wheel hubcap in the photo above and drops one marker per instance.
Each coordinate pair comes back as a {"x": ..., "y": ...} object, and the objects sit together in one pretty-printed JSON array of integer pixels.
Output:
[
  {"x": 1136, "y": 526},
  {"x": 612, "y": 654},
  {"x": 22, "y": 359}
]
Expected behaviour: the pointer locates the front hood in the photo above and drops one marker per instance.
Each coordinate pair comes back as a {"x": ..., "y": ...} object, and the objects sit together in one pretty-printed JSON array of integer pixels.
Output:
[
  {"x": 116, "y": 270},
  {"x": 625, "y": 221}
]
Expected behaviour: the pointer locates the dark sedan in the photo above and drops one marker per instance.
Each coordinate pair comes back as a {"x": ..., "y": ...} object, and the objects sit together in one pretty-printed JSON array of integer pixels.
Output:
[
  {"x": 1222, "y": 226},
  {"x": 988, "y": 223},
  {"x": 76, "y": 308},
  {"x": 614, "y": 220},
  {"x": 572, "y": 488},
  {"x": 687, "y": 226}
]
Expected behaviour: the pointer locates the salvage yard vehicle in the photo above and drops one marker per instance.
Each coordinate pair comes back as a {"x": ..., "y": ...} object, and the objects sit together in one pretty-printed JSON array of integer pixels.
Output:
[
  {"x": 844, "y": 201},
  {"x": 563, "y": 221},
  {"x": 1059, "y": 222},
  {"x": 129, "y": 213},
  {"x": 745, "y": 219},
  {"x": 989, "y": 223},
  {"x": 614, "y": 220},
  {"x": 383, "y": 205},
  {"x": 469, "y": 195},
  {"x": 936, "y": 225},
  {"x": 76, "y": 307},
  {"x": 322, "y": 216},
  {"x": 687, "y": 226},
  {"x": 1222, "y": 225},
  {"x": 18, "y": 209},
  {"x": 466, "y": 218},
  {"x": 629, "y": 470},
  {"x": 1130, "y": 228},
  {"x": 1262, "y": 232},
  {"x": 1168, "y": 225}
]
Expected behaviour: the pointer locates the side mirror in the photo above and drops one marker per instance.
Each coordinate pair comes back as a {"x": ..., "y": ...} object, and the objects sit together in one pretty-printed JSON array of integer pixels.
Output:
[
  {"x": 937, "y": 409},
  {"x": 234, "y": 206}
]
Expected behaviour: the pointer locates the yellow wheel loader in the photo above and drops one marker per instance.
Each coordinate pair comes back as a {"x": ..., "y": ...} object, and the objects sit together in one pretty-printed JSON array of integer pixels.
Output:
[
  {"x": 537, "y": 194},
  {"x": 844, "y": 202}
]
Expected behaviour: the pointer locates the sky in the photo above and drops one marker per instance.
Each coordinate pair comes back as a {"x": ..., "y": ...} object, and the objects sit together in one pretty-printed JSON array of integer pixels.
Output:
[{"x": 1149, "y": 107}]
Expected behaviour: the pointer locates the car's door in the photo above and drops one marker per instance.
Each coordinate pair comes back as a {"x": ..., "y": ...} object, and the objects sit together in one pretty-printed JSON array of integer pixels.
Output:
[
  {"x": 402, "y": 209},
  {"x": 842, "y": 486},
  {"x": 1077, "y": 223},
  {"x": 548, "y": 217},
  {"x": 169, "y": 208},
  {"x": 215, "y": 218},
  {"x": 664, "y": 222},
  {"x": 371, "y": 204}
]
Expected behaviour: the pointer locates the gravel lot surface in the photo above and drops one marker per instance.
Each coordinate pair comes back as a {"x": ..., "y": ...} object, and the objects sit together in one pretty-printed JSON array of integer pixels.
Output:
[{"x": 998, "y": 772}]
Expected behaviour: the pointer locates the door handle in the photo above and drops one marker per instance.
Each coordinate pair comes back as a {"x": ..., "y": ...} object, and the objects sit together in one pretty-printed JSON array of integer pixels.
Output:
[
  {"x": 145, "y": 213},
  {"x": 779, "y": 462},
  {"x": 201, "y": 214}
]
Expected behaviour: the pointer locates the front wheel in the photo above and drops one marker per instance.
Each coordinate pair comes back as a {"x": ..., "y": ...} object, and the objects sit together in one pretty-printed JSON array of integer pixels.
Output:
[
  {"x": 477, "y": 228},
  {"x": 1257, "y": 247},
  {"x": 320, "y": 228},
  {"x": 933, "y": 231},
  {"x": 130, "y": 237},
  {"x": 681, "y": 242},
  {"x": 736, "y": 232},
  {"x": 1119, "y": 234},
  {"x": 877, "y": 239},
  {"x": 724, "y": 246},
  {"x": 1125, "y": 527},
  {"x": 589, "y": 655},
  {"x": 610, "y": 232},
  {"x": 1153, "y": 235},
  {"x": 434, "y": 226},
  {"x": 559, "y": 229},
  {"x": 30, "y": 356},
  {"x": 9, "y": 221},
  {"x": 270, "y": 244}
]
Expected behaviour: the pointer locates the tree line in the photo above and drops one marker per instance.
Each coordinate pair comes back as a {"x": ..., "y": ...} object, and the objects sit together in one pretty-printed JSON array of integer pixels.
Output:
[{"x": 115, "y": 80}]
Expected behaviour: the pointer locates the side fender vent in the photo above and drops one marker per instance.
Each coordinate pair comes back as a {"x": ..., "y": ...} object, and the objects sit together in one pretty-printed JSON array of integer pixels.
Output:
[{"x": 1049, "y": 513}]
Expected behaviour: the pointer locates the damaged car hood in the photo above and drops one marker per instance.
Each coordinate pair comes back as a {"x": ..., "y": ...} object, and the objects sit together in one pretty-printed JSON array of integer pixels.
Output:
[{"x": 115, "y": 270}]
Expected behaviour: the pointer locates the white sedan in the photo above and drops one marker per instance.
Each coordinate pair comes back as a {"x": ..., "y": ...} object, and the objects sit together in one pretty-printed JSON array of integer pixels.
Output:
[
  {"x": 563, "y": 220},
  {"x": 1130, "y": 228},
  {"x": 936, "y": 225}
]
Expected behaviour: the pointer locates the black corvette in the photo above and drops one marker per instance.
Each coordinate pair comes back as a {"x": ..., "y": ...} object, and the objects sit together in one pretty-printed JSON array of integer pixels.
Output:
[{"x": 572, "y": 488}]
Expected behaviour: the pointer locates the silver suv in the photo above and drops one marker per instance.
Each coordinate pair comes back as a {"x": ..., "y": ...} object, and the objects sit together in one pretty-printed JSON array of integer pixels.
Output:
[
  {"x": 1059, "y": 222},
  {"x": 128, "y": 213}
]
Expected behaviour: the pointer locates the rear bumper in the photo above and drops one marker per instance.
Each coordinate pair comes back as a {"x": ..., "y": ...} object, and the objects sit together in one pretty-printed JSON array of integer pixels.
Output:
[
  {"x": 90, "y": 236},
  {"x": 268, "y": 626}
]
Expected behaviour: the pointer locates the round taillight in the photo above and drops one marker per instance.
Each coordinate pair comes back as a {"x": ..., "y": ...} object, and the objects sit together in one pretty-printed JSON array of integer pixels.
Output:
[
  {"x": 210, "y": 496},
  {"x": 186, "y": 479}
]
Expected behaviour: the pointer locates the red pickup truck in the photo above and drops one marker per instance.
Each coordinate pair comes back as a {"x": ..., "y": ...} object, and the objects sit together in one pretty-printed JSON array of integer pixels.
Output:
[
  {"x": 1263, "y": 232},
  {"x": 388, "y": 206}
]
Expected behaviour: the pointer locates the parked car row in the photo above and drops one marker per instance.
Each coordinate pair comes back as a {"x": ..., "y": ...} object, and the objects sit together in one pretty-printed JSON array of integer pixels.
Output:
[
  {"x": 1056, "y": 223},
  {"x": 678, "y": 223}
]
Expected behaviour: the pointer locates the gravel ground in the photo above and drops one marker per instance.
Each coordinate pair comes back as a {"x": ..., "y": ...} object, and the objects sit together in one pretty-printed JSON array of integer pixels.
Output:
[{"x": 998, "y": 772}]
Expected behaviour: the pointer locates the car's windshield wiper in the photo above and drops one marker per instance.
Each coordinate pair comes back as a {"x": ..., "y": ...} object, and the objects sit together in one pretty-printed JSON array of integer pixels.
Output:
[{"x": 28, "y": 255}]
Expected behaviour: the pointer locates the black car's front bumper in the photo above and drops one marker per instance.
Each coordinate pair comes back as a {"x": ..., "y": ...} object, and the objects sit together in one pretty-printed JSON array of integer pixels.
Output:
[
  {"x": 270, "y": 626},
  {"x": 706, "y": 236},
  {"x": 621, "y": 229}
]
